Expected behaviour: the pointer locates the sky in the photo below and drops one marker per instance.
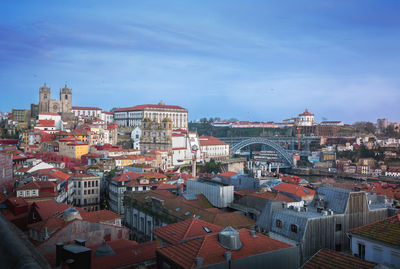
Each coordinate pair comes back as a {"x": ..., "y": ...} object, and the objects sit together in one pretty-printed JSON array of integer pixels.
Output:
[{"x": 250, "y": 60}]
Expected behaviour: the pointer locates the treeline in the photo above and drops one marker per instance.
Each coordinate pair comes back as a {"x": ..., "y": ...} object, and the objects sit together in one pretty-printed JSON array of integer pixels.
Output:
[{"x": 206, "y": 129}]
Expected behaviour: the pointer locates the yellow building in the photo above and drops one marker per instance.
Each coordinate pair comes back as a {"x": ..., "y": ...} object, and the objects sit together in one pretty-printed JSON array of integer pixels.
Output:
[
  {"x": 73, "y": 148},
  {"x": 76, "y": 149}
]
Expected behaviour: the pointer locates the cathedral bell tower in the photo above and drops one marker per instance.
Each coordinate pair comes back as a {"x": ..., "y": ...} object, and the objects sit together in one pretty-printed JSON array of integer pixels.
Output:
[
  {"x": 66, "y": 99},
  {"x": 44, "y": 98}
]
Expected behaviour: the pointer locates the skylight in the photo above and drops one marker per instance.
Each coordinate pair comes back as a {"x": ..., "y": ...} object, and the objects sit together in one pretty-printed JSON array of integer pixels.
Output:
[
  {"x": 208, "y": 230},
  {"x": 177, "y": 209},
  {"x": 187, "y": 213}
]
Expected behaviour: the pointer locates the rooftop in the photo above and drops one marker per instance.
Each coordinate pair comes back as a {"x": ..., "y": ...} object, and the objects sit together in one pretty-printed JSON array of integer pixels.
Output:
[
  {"x": 211, "y": 251},
  {"x": 149, "y": 106},
  {"x": 329, "y": 259},
  {"x": 190, "y": 228},
  {"x": 386, "y": 231}
]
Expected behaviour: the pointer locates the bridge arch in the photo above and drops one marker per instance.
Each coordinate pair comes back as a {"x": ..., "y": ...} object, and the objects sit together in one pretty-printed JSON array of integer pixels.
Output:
[{"x": 258, "y": 140}]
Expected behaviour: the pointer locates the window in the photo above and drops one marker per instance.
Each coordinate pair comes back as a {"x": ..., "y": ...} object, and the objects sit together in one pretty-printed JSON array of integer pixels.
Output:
[
  {"x": 278, "y": 223},
  {"x": 97, "y": 183},
  {"x": 85, "y": 184},
  {"x": 79, "y": 184},
  {"x": 293, "y": 228},
  {"x": 338, "y": 227},
  {"x": 361, "y": 251}
]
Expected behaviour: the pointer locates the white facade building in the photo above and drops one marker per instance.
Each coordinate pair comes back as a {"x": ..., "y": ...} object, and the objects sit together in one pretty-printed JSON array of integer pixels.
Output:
[
  {"x": 378, "y": 242},
  {"x": 219, "y": 194},
  {"x": 52, "y": 116},
  {"x": 107, "y": 117},
  {"x": 305, "y": 119},
  {"x": 86, "y": 111},
  {"x": 213, "y": 148},
  {"x": 136, "y": 134},
  {"x": 134, "y": 116}
]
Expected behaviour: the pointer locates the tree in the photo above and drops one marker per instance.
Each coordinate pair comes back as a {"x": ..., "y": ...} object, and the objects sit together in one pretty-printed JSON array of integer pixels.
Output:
[
  {"x": 364, "y": 127},
  {"x": 213, "y": 167}
]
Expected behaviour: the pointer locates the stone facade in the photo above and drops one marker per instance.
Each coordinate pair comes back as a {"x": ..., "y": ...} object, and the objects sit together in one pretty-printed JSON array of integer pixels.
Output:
[
  {"x": 46, "y": 104},
  {"x": 156, "y": 135}
]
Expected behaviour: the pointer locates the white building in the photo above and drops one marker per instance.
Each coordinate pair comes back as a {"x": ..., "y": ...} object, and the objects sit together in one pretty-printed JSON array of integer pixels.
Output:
[
  {"x": 378, "y": 242},
  {"x": 136, "y": 134},
  {"x": 219, "y": 194},
  {"x": 305, "y": 119},
  {"x": 182, "y": 145},
  {"x": 52, "y": 116},
  {"x": 86, "y": 111},
  {"x": 107, "y": 117},
  {"x": 213, "y": 148},
  {"x": 134, "y": 116},
  {"x": 86, "y": 191},
  {"x": 393, "y": 172}
]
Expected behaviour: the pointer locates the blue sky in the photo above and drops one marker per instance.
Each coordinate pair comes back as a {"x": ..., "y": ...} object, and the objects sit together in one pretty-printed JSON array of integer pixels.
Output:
[{"x": 263, "y": 60}]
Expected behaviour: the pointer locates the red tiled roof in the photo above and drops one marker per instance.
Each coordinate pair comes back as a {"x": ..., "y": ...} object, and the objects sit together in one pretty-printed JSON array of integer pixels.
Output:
[
  {"x": 142, "y": 107},
  {"x": 386, "y": 230},
  {"x": 297, "y": 190},
  {"x": 227, "y": 174},
  {"x": 306, "y": 113},
  {"x": 271, "y": 196},
  {"x": 48, "y": 208},
  {"x": 100, "y": 216},
  {"x": 212, "y": 252},
  {"x": 329, "y": 259},
  {"x": 54, "y": 173},
  {"x": 17, "y": 201},
  {"x": 190, "y": 228},
  {"x": 47, "y": 122},
  {"x": 37, "y": 185},
  {"x": 127, "y": 253},
  {"x": 210, "y": 141},
  {"x": 49, "y": 114},
  {"x": 85, "y": 108}
]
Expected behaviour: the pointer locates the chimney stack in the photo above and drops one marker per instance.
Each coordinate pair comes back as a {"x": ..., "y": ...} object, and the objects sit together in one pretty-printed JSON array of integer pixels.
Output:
[
  {"x": 59, "y": 247},
  {"x": 198, "y": 261}
]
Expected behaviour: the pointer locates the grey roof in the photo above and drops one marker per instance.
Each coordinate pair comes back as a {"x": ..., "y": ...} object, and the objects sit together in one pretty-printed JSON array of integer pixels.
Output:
[
  {"x": 335, "y": 198},
  {"x": 76, "y": 248},
  {"x": 104, "y": 250}
]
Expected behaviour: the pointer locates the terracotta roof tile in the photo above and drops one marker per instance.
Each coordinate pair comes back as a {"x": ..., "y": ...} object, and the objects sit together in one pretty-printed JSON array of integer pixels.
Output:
[
  {"x": 142, "y": 107},
  {"x": 100, "y": 216},
  {"x": 329, "y": 259},
  {"x": 190, "y": 228},
  {"x": 386, "y": 230},
  {"x": 212, "y": 252}
]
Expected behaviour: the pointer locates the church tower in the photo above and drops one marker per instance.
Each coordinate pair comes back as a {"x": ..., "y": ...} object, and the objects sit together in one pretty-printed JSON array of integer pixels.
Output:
[
  {"x": 66, "y": 99},
  {"x": 44, "y": 98}
]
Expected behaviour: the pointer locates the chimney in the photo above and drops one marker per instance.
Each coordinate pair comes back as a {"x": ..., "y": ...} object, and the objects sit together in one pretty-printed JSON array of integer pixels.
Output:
[
  {"x": 80, "y": 242},
  {"x": 228, "y": 255},
  {"x": 253, "y": 233},
  {"x": 198, "y": 261},
  {"x": 59, "y": 247}
]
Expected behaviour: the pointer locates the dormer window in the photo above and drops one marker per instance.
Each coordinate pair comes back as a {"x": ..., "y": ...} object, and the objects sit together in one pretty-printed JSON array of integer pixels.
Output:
[
  {"x": 293, "y": 228},
  {"x": 278, "y": 223}
]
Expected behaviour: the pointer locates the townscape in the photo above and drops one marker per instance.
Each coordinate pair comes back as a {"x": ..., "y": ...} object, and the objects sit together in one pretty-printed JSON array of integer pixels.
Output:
[{"x": 142, "y": 187}]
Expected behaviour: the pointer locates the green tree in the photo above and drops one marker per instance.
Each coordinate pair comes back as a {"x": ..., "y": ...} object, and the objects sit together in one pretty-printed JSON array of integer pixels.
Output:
[{"x": 213, "y": 167}]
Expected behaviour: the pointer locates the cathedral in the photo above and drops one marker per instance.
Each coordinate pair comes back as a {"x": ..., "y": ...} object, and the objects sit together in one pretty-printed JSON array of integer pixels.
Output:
[{"x": 46, "y": 104}]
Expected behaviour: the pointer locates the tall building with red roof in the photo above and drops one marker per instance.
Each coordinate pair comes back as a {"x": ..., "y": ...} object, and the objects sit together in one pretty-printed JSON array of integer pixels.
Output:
[{"x": 134, "y": 116}]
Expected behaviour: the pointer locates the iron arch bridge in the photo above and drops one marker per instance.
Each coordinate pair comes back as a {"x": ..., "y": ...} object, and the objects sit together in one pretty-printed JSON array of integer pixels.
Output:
[{"x": 282, "y": 153}]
